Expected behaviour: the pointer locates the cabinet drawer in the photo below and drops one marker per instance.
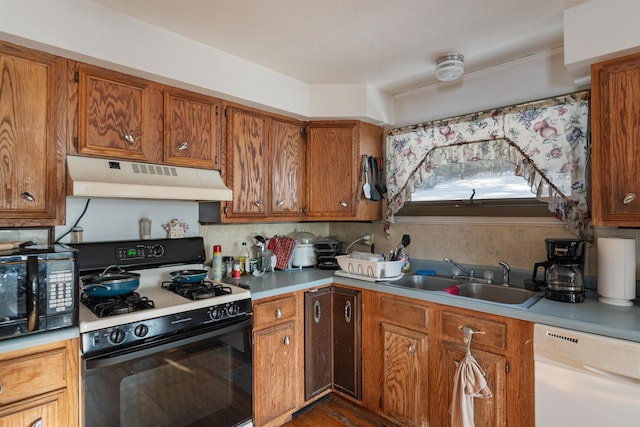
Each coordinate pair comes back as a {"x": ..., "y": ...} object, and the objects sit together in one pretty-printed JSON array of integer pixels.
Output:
[
  {"x": 492, "y": 334},
  {"x": 27, "y": 376},
  {"x": 272, "y": 312},
  {"x": 407, "y": 314}
]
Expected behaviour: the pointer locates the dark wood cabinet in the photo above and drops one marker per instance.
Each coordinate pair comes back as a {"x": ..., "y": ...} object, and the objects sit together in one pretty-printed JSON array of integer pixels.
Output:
[
  {"x": 333, "y": 350},
  {"x": 347, "y": 341},
  {"x": 318, "y": 342}
]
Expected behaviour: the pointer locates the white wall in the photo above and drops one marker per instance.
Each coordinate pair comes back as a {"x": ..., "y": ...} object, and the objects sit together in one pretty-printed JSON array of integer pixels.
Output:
[{"x": 535, "y": 77}]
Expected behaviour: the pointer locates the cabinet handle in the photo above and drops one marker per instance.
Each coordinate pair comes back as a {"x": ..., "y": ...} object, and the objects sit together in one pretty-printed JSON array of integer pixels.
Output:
[
  {"x": 286, "y": 340},
  {"x": 37, "y": 423},
  {"x": 0, "y": 388},
  {"x": 279, "y": 203},
  {"x": 278, "y": 313},
  {"x": 316, "y": 312},
  {"x": 28, "y": 197},
  {"x": 347, "y": 311},
  {"x": 628, "y": 198},
  {"x": 183, "y": 146},
  {"x": 343, "y": 203},
  {"x": 129, "y": 138},
  {"x": 258, "y": 203},
  {"x": 412, "y": 350}
]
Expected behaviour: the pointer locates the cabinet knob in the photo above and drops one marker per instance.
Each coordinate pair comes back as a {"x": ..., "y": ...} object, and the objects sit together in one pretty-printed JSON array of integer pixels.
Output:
[
  {"x": 183, "y": 146},
  {"x": 278, "y": 313},
  {"x": 279, "y": 203},
  {"x": 628, "y": 198},
  {"x": 412, "y": 350},
  {"x": 37, "y": 423},
  {"x": 286, "y": 340},
  {"x": 317, "y": 312},
  {"x": 343, "y": 203},
  {"x": 28, "y": 197},
  {"x": 129, "y": 138},
  {"x": 258, "y": 203}
]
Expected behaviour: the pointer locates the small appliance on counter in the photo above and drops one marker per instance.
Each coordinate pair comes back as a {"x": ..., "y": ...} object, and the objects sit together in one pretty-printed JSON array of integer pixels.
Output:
[
  {"x": 562, "y": 271},
  {"x": 326, "y": 250},
  {"x": 304, "y": 254}
]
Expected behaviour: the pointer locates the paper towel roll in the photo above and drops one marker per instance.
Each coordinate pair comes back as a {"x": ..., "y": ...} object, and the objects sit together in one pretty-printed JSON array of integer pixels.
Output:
[{"x": 616, "y": 270}]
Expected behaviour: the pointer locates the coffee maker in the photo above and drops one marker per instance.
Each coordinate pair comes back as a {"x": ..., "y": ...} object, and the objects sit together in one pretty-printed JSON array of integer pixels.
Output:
[{"x": 563, "y": 271}]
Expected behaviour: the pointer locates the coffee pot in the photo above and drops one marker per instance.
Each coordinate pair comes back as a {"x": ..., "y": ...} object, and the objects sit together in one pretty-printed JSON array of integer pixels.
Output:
[{"x": 562, "y": 271}]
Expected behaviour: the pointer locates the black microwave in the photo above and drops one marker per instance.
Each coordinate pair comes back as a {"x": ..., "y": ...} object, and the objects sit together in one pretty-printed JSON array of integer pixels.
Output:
[{"x": 38, "y": 289}]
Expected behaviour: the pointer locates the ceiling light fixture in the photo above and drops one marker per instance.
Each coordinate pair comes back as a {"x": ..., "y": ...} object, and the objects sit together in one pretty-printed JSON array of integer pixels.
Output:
[{"x": 449, "y": 67}]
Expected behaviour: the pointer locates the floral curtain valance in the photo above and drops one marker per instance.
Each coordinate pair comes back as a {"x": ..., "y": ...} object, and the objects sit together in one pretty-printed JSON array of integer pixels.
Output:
[{"x": 546, "y": 140}]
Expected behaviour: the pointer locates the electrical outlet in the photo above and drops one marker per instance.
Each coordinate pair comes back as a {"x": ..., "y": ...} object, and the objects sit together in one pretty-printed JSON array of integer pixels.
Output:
[{"x": 368, "y": 239}]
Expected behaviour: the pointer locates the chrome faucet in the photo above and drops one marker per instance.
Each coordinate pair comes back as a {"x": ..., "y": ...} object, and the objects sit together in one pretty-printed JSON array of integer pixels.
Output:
[
  {"x": 505, "y": 272},
  {"x": 469, "y": 273}
]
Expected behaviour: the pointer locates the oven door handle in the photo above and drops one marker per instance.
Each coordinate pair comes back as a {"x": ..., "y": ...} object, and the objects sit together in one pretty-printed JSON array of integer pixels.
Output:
[
  {"x": 33, "y": 294},
  {"x": 106, "y": 361}
]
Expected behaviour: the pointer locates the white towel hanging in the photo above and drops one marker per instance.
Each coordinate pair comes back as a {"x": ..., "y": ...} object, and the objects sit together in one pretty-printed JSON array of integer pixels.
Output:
[{"x": 469, "y": 383}]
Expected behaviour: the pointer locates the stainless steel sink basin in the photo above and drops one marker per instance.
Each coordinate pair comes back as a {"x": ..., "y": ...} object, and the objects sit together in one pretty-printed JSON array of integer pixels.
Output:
[{"x": 494, "y": 293}]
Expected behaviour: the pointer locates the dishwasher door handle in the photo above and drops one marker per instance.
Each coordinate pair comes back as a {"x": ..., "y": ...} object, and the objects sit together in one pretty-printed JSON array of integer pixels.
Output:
[{"x": 612, "y": 375}]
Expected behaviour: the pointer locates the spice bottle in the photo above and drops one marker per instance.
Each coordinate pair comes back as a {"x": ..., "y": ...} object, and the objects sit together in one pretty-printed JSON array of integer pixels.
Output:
[{"x": 217, "y": 262}]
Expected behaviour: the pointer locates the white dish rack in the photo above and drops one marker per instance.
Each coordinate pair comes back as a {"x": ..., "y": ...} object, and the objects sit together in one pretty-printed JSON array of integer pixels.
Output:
[{"x": 370, "y": 269}]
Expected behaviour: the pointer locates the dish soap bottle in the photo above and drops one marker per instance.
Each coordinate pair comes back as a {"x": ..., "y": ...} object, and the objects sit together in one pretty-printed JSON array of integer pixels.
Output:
[{"x": 244, "y": 258}]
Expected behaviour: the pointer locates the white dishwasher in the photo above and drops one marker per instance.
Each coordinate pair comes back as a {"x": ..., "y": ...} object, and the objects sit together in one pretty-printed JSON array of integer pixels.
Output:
[{"x": 585, "y": 380}]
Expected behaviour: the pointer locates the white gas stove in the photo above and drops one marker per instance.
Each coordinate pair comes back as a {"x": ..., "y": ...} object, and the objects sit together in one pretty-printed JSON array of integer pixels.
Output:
[{"x": 165, "y": 312}]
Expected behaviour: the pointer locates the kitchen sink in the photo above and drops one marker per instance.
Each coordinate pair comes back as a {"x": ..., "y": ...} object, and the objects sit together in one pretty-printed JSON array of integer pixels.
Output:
[{"x": 495, "y": 293}]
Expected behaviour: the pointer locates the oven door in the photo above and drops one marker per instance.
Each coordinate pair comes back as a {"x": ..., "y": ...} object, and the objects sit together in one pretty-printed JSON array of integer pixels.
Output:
[{"x": 201, "y": 380}]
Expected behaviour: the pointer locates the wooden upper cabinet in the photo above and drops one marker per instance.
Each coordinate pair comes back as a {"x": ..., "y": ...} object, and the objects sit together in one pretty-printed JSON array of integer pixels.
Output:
[
  {"x": 191, "y": 129},
  {"x": 287, "y": 169},
  {"x": 247, "y": 163},
  {"x": 333, "y": 170},
  {"x": 615, "y": 124},
  {"x": 119, "y": 116},
  {"x": 31, "y": 137}
]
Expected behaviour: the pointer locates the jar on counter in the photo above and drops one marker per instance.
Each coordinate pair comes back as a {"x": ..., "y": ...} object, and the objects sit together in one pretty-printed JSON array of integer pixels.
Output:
[{"x": 227, "y": 266}]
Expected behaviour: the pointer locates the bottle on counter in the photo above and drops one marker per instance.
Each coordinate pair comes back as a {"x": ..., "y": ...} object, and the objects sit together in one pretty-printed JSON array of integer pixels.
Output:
[
  {"x": 217, "y": 262},
  {"x": 245, "y": 255}
]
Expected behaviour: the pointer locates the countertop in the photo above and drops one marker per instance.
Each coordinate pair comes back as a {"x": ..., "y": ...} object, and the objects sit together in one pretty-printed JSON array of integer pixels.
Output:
[{"x": 590, "y": 316}]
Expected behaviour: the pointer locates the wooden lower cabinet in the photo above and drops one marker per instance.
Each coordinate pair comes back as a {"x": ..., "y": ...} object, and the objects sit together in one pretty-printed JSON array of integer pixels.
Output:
[
  {"x": 317, "y": 342},
  {"x": 405, "y": 362},
  {"x": 277, "y": 359},
  {"x": 411, "y": 354},
  {"x": 40, "y": 386}
]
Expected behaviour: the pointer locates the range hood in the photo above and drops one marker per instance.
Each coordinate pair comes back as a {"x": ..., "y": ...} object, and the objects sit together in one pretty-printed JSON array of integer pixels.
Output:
[{"x": 93, "y": 177}]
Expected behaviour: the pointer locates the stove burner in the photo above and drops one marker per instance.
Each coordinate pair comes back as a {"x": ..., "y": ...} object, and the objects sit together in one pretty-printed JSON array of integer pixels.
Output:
[
  {"x": 120, "y": 304},
  {"x": 197, "y": 291}
]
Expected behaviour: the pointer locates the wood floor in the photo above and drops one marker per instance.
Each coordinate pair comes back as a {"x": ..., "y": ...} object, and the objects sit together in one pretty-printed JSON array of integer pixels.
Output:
[{"x": 335, "y": 411}]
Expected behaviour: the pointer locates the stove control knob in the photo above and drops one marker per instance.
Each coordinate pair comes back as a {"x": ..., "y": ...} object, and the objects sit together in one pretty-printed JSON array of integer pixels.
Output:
[
  {"x": 215, "y": 313},
  {"x": 156, "y": 250},
  {"x": 233, "y": 309},
  {"x": 117, "y": 336},
  {"x": 141, "y": 330}
]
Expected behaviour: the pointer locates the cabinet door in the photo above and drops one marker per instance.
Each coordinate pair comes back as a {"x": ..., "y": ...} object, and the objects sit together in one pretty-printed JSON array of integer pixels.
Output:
[
  {"x": 616, "y": 153},
  {"x": 331, "y": 153},
  {"x": 119, "y": 116},
  {"x": 191, "y": 130},
  {"x": 317, "y": 342},
  {"x": 247, "y": 164},
  {"x": 490, "y": 412},
  {"x": 287, "y": 173},
  {"x": 275, "y": 372},
  {"x": 347, "y": 349},
  {"x": 47, "y": 410},
  {"x": 404, "y": 375},
  {"x": 32, "y": 169}
]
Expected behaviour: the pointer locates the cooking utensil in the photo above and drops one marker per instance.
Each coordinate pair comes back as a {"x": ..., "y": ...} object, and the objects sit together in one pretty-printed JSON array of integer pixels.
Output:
[
  {"x": 382, "y": 181},
  {"x": 366, "y": 188},
  {"x": 375, "y": 194},
  {"x": 108, "y": 284},
  {"x": 188, "y": 276},
  {"x": 4, "y": 246}
]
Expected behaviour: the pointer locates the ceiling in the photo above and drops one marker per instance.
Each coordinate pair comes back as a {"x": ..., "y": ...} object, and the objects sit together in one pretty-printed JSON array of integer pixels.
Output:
[{"x": 390, "y": 44}]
